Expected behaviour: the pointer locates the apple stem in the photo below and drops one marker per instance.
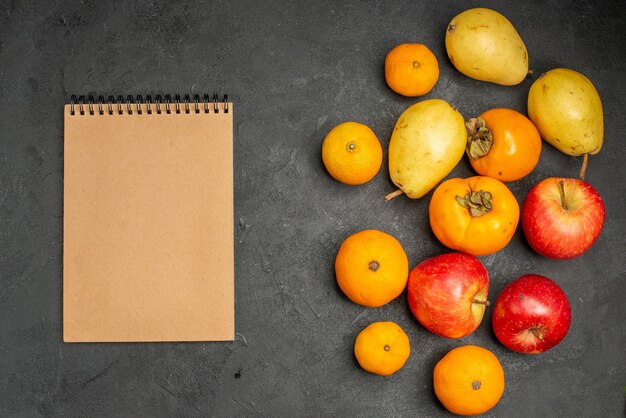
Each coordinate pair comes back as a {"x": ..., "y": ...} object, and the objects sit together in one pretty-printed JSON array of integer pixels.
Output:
[
  {"x": 583, "y": 169},
  {"x": 393, "y": 194},
  {"x": 482, "y": 302},
  {"x": 562, "y": 192},
  {"x": 537, "y": 332}
]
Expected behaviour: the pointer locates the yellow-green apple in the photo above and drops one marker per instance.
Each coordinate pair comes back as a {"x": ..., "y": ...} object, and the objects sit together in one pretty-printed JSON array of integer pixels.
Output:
[
  {"x": 531, "y": 315},
  {"x": 448, "y": 294},
  {"x": 562, "y": 217}
]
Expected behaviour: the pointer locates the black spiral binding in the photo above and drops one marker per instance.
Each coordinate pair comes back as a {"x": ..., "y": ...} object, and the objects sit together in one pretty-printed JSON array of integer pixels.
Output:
[{"x": 133, "y": 104}]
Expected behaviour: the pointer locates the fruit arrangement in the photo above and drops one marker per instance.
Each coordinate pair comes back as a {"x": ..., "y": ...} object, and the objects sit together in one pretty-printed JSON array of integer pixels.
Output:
[{"x": 448, "y": 294}]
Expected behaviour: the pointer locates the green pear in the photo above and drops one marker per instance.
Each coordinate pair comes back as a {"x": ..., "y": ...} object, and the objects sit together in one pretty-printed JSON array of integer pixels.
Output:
[
  {"x": 428, "y": 141},
  {"x": 567, "y": 110},
  {"x": 484, "y": 45}
]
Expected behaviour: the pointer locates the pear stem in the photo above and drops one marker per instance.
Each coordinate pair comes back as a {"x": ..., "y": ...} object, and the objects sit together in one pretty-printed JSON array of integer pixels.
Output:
[
  {"x": 481, "y": 302},
  {"x": 583, "y": 169},
  {"x": 393, "y": 194}
]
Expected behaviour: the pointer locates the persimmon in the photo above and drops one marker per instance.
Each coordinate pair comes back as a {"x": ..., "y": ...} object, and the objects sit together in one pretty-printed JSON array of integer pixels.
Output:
[
  {"x": 503, "y": 144},
  {"x": 477, "y": 215}
]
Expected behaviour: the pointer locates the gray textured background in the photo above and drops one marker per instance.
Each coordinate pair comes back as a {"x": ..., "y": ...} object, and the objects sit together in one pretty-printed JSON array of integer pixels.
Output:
[{"x": 294, "y": 70}]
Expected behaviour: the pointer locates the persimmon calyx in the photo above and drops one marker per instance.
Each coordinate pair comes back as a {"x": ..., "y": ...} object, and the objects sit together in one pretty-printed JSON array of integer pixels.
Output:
[
  {"x": 479, "y": 138},
  {"x": 478, "y": 203}
]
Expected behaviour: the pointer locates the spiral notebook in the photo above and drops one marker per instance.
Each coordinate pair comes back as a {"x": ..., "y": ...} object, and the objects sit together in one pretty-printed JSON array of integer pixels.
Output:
[{"x": 148, "y": 220}]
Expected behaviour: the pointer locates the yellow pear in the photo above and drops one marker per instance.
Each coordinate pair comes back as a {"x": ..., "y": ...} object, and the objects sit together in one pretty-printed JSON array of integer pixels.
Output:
[
  {"x": 567, "y": 110},
  {"x": 484, "y": 45},
  {"x": 427, "y": 142}
]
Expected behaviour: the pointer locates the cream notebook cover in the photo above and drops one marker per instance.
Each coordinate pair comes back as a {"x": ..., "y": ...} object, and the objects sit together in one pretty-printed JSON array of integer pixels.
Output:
[{"x": 148, "y": 248}]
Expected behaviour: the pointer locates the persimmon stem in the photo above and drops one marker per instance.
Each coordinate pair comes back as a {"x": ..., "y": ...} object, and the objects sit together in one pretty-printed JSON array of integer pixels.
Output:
[
  {"x": 392, "y": 195},
  {"x": 583, "y": 169},
  {"x": 481, "y": 302}
]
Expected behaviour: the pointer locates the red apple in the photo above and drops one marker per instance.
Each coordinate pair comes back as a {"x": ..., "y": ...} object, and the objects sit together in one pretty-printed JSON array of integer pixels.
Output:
[
  {"x": 562, "y": 218},
  {"x": 448, "y": 294},
  {"x": 531, "y": 315}
]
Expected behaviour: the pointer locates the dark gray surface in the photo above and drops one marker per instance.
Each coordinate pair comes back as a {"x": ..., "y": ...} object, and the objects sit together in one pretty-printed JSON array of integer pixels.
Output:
[{"x": 294, "y": 70}]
